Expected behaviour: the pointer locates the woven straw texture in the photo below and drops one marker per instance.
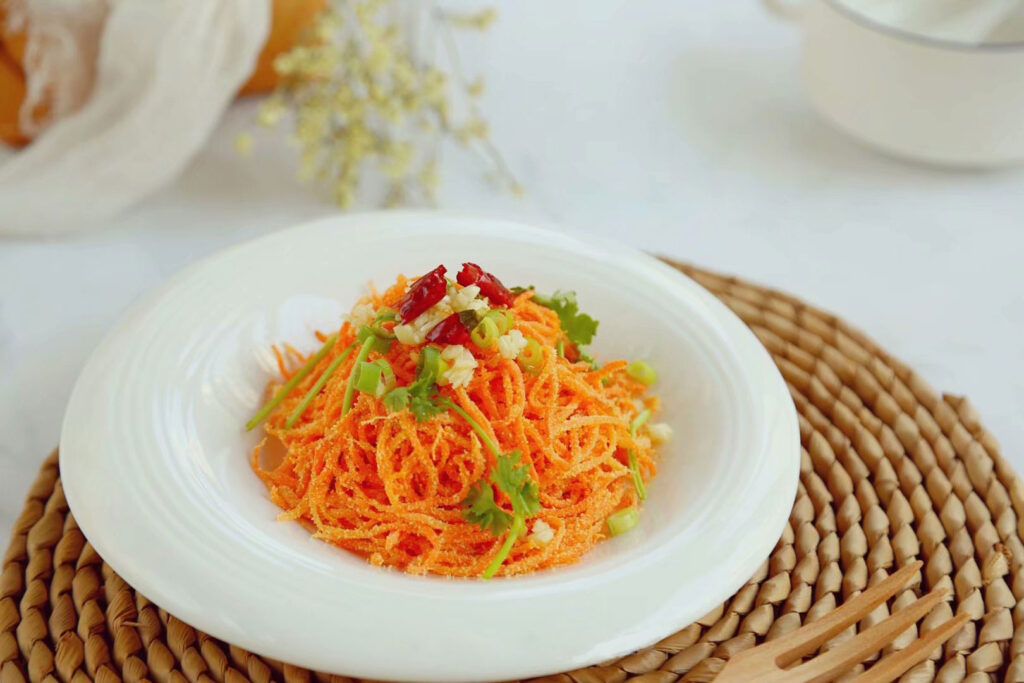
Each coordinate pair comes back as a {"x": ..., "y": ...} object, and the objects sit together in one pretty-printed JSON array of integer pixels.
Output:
[{"x": 891, "y": 471}]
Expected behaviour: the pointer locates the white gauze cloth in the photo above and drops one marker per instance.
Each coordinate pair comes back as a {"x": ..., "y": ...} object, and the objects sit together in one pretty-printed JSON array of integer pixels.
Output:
[{"x": 134, "y": 86}]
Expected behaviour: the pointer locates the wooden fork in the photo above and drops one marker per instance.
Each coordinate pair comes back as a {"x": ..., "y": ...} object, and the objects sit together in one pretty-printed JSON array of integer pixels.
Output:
[{"x": 767, "y": 663}]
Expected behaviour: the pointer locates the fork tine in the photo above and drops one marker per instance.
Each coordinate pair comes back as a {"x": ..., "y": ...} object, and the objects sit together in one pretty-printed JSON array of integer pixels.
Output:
[
  {"x": 897, "y": 663},
  {"x": 809, "y": 638},
  {"x": 824, "y": 667}
]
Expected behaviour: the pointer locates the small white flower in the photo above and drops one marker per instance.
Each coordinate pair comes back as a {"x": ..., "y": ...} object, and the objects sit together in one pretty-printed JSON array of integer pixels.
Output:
[
  {"x": 542, "y": 532},
  {"x": 461, "y": 365},
  {"x": 660, "y": 432},
  {"x": 363, "y": 314},
  {"x": 509, "y": 345}
]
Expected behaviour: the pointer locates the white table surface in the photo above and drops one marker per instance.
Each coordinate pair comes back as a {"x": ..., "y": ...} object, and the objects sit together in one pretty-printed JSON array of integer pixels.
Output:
[{"x": 680, "y": 127}]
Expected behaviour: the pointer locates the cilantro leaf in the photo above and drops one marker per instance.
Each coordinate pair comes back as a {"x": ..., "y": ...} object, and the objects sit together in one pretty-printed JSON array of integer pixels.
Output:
[
  {"x": 397, "y": 400},
  {"x": 423, "y": 401},
  {"x": 579, "y": 328},
  {"x": 513, "y": 478},
  {"x": 420, "y": 398},
  {"x": 479, "y": 508}
]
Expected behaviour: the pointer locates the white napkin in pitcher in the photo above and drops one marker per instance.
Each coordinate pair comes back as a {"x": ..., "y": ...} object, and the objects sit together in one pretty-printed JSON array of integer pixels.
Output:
[
  {"x": 134, "y": 87},
  {"x": 960, "y": 21}
]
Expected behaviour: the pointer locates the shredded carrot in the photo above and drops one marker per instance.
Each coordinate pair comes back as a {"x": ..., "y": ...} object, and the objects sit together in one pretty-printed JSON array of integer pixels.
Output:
[
  {"x": 279, "y": 357},
  {"x": 390, "y": 489}
]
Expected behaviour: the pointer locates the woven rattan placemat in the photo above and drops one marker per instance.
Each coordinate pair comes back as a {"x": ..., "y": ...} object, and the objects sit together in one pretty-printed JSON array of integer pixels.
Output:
[{"x": 891, "y": 471}]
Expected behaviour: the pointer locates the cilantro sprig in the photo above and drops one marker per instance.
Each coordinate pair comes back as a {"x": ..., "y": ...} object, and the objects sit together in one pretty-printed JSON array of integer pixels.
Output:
[
  {"x": 579, "y": 328},
  {"x": 512, "y": 478}
]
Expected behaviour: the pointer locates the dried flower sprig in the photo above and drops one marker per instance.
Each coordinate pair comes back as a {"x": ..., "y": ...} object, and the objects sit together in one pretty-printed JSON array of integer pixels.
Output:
[{"x": 362, "y": 93}]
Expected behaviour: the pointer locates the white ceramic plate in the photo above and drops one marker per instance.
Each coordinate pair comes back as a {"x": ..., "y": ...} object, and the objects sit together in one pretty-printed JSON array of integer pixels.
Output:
[{"x": 154, "y": 459}]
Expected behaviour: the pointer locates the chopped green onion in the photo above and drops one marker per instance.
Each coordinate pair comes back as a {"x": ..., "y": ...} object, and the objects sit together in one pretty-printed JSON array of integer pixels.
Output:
[
  {"x": 485, "y": 334},
  {"x": 387, "y": 375},
  {"x": 622, "y": 521},
  {"x": 638, "y": 481},
  {"x": 430, "y": 364},
  {"x": 368, "y": 381},
  {"x": 638, "y": 422},
  {"x": 381, "y": 378},
  {"x": 385, "y": 315},
  {"x": 531, "y": 358},
  {"x": 292, "y": 383},
  {"x": 315, "y": 389},
  {"x": 560, "y": 348},
  {"x": 381, "y": 339},
  {"x": 642, "y": 372},
  {"x": 503, "y": 318},
  {"x": 350, "y": 387}
]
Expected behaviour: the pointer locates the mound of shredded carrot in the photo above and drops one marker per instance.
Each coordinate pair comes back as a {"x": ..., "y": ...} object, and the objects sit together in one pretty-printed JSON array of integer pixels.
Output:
[{"x": 390, "y": 488}]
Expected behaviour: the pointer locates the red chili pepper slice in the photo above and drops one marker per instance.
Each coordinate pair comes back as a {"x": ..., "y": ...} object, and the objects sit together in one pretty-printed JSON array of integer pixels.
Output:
[
  {"x": 449, "y": 331},
  {"x": 423, "y": 294},
  {"x": 490, "y": 286}
]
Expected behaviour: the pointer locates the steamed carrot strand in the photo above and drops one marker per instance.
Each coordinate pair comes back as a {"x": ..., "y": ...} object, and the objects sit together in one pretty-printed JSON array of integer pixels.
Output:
[{"x": 390, "y": 488}]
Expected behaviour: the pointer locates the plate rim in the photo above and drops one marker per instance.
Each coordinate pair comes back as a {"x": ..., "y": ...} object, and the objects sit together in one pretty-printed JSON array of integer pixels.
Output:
[{"x": 778, "y": 436}]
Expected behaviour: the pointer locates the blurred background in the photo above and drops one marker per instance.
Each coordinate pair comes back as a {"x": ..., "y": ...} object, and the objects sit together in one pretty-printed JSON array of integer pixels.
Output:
[{"x": 682, "y": 128}]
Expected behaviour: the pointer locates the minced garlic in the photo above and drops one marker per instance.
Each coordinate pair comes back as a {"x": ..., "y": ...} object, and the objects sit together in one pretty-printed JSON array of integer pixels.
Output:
[
  {"x": 542, "y": 532},
  {"x": 415, "y": 332},
  {"x": 462, "y": 299},
  {"x": 461, "y": 365},
  {"x": 509, "y": 345}
]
